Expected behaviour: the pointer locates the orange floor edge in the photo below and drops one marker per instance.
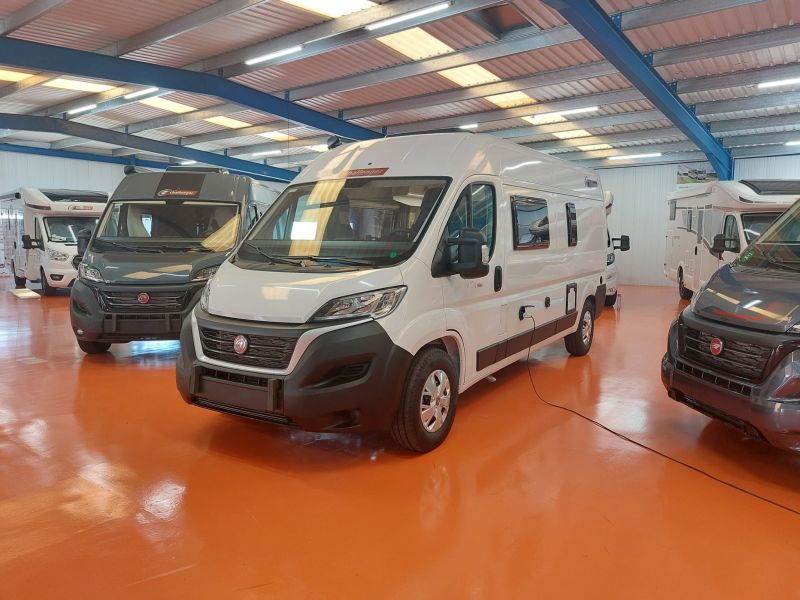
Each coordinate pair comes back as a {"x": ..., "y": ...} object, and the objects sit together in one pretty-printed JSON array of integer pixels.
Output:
[{"x": 111, "y": 486}]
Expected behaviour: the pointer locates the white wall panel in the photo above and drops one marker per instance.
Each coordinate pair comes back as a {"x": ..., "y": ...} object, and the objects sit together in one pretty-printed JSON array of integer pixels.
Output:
[
  {"x": 772, "y": 167},
  {"x": 27, "y": 170}
]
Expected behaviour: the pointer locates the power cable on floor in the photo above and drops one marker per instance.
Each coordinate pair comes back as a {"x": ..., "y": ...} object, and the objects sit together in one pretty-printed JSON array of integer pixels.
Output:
[{"x": 624, "y": 437}]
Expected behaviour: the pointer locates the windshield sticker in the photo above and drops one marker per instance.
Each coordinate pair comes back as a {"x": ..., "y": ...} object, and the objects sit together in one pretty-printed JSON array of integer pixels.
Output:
[{"x": 375, "y": 172}]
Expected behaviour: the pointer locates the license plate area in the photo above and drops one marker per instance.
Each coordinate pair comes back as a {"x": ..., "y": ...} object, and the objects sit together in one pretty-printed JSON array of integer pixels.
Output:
[{"x": 253, "y": 393}]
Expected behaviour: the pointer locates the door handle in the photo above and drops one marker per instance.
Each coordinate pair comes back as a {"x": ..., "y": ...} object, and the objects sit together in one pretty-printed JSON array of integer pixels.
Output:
[
  {"x": 498, "y": 279},
  {"x": 547, "y": 302},
  {"x": 695, "y": 250}
]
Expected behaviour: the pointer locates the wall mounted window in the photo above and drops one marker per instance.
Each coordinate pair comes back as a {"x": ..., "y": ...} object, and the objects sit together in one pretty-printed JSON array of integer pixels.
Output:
[
  {"x": 572, "y": 224},
  {"x": 531, "y": 223},
  {"x": 673, "y": 209}
]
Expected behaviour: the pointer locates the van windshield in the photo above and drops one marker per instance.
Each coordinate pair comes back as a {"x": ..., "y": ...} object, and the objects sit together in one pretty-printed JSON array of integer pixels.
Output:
[
  {"x": 754, "y": 224},
  {"x": 204, "y": 226},
  {"x": 344, "y": 222},
  {"x": 65, "y": 229},
  {"x": 779, "y": 245}
]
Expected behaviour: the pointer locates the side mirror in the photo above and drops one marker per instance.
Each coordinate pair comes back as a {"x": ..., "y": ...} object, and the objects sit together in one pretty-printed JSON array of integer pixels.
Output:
[
  {"x": 723, "y": 244},
  {"x": 28, "y": 243},
  {"x": 472, "y": 260},
  {"x": 84, "y": 235},
  {"x": 622, "y": 243}
]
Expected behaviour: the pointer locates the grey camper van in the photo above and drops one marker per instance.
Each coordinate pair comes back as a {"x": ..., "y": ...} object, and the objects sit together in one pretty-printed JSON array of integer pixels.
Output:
[{"x": 161, "y": 237}]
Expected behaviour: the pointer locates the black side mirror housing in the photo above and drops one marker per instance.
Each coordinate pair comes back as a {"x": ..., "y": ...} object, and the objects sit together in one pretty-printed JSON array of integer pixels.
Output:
[
  {"x": 28, "y": 243},
  {"x": 622, "y": 243},
  {"x": 473, "y": 254},
  {"x": 723, "y": 244},
  {"x": 84, "y": 235}
]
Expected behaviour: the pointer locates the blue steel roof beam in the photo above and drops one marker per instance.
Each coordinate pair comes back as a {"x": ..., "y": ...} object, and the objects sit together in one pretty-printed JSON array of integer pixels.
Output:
[
  {"x": 22, "y": 53},
  {"x": 597, "y": 27},
  {"x": 71, "y": 128}
]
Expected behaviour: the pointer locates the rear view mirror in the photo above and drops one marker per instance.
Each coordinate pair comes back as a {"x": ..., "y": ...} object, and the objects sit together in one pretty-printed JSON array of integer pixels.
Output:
[
  {"x": 84, "y": 235},
  {"x": 28, "y": 243},
  {"x": 622, "y": 243},
  {"x": 723, "y": 244},
  {"x": 472, "y": 259}
]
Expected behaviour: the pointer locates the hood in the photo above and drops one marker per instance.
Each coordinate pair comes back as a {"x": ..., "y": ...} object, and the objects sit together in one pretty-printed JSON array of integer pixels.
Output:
[
  {"x": 755, "y": 298},
  {"x": 173, "y": 268},
  {"x": 288, "y": 297}
]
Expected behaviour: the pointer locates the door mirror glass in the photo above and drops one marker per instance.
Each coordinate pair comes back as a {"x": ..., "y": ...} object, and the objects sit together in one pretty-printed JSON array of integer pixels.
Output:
[
  {"x": 622, "y": 243},
  {"x": 472, "y": 253},
  {"x": 83, "y": 237}
]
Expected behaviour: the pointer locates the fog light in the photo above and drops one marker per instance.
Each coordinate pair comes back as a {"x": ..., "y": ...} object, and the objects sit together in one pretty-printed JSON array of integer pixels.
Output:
[{"x": 56, "y": 277}]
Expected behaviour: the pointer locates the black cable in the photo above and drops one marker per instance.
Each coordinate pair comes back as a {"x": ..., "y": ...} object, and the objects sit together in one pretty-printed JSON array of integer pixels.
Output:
[{"x": 648, "y": 448}]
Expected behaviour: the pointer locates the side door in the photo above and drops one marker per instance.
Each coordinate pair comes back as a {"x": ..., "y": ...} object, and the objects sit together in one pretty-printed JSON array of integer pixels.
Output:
[{"x": 474, "y": 307}]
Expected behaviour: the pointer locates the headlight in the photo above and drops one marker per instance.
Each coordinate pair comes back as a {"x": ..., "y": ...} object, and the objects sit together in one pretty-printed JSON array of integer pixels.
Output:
[
  {"x": 88, "y": 273},
  {"x": 372, "y": 304},
  {"x": 205, "y": 274},
  {"x": 57, "y": 255},
  {"x": 795, "y": 328},
  {"x": 204, "y": 298},
  {"x": 610, "y": 258}
]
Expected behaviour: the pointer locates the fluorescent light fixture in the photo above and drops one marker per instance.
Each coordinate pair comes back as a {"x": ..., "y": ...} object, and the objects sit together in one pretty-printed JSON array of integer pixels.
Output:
[
  {"x": 168, "y": 105},
  {"x": 140, "y": 93},
  {"x": 592, "y": 147},
  {"x": 186, "y": 163},
  {"x": 228, "y": 122},
  {"x": 265, "y": 153},
  {"x": 793, "y": 143},
  {"x": 276, "y": 54},
  {"x": 780, "y": 83},
  {"x": 576, "y": 111},
  {"x": 318, "y": 148},
  {"x": 632, "y": 156},
  {"x": 469, "y": 126},
  {"x": 77, "y": 86},
  {"x": 81, "y": 109},
  {"x": 332, "y": 8},
  {"x": 408, "y": 16},
  {"x": 6, "y": 75}
]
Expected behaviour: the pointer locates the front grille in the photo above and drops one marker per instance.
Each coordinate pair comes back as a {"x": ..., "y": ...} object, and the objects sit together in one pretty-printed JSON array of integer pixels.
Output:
[
  {"x": 714, "y": 379},
  {"x": 158, "y": 302},
  {"x": 266, "y": 351},
  {"x": 740, "y": 359}
]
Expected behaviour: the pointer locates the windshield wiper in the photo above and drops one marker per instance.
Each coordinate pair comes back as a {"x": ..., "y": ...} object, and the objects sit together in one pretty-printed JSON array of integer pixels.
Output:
[
  {"x": 338, "y": 259},
  {"x": 129, "y": 248},
  {"x": 274, "y": 259},
  {"x": 192, "y": 248},
  {"x": 767, "y": 254}
]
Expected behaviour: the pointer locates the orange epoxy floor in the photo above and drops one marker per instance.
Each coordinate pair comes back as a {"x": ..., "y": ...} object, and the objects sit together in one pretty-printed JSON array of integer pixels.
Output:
[{"x": 110, "y": 486}]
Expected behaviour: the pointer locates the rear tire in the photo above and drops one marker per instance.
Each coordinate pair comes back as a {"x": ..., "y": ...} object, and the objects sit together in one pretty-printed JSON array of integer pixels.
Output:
[
  {"x": 18, "y": 281},
  {"x": 93, "y": 347},
  {"x": 47, "y": 289},
  {"x": 611, "y": 300},
  {"x": 428, "y": 405},
  {"x": 683, "y": 291},
  {"x": 580, "y": 342}
]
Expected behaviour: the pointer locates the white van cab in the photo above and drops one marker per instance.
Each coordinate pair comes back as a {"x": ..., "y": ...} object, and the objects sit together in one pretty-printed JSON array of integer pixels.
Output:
[
  {"x": 739, "y": 211},
  {"x": 41, "y": 228},
  {"x": 391, "y": 276}
]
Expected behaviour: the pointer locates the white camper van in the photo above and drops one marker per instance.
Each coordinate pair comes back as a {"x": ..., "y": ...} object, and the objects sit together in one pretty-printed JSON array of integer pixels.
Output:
[
  {"x": 40, "y": 229},
  {"x": 623, "y": 244},
  {"x": 737, "y": 210},
  {"x": 392, "y": 275}
]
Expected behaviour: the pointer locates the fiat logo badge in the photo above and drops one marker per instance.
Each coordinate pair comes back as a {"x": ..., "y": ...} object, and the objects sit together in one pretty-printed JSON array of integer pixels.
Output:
[
  {"x": 143, "y": 298},
  {"x": 240, "y": 344},
  {"x": 716, "y": 346}
]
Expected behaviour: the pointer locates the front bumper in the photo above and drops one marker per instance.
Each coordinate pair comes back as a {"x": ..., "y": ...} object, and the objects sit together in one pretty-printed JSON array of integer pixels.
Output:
[
  {"x": 346, "y": 378},
  {"x": 751, "y": 407},
  {"x": 94, "y": 322},
  {"x": 60, "y": 275}
]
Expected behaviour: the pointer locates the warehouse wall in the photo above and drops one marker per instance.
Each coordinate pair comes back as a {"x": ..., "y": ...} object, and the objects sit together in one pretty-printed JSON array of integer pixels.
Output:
[
  {"x": 17, "y": 170},
  {"x": 773, "y": 167}
]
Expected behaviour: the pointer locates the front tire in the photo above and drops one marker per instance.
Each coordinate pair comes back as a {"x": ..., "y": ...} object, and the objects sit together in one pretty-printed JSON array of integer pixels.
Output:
[
  {"x": 47, "y": 289},
  {"x": 684, "y": 292},
  {"x": 611, "y": 300},
  {"x": 18, "y": 281},
  {"x": 580, "y": 342},
  {"x": 428, "y": 404},
  {"x": 93, "y": 347}
]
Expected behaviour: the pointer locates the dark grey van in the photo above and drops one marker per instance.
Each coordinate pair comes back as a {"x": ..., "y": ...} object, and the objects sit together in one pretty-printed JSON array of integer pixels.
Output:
[
  {"x": 734, "y": 354},
  {"x": 161, "y": 237}
]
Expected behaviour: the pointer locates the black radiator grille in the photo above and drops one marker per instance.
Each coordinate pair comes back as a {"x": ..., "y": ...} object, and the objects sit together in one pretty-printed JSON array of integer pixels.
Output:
[
  {"x": 156, "y": 301},
  {"x": 266, "y": 351},
  {"x": 740, "y": 359}
]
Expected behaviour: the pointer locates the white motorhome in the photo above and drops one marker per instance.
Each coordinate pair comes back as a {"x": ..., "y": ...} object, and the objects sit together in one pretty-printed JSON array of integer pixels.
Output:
[
  {"x": 623, "y": 244},
  {"x": 40, "y": 229},
  {"x": 737, "y": 210},
  {"x": 391, "y": 276}
]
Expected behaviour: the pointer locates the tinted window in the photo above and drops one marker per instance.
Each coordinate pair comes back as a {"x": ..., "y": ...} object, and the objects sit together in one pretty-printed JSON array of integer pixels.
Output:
[
  {"x": 731, "y": 234},
  {"x": 531, "y": 223},
  {"x": 673, "y": 209},
  {"x": 475, "y": 208},
  {"x": 773, "y": 186},
  {"x": 572, "y": 225}
]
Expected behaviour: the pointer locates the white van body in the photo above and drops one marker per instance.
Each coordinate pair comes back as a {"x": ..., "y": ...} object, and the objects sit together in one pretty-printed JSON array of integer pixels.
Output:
[
  {"x": 52, "y": 219},
  {"x": 740, "y": 210},
  {"x": 533, "y": 293}
]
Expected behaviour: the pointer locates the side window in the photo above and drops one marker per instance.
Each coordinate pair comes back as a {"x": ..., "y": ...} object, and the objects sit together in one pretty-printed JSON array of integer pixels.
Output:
[
  {"x": 572, "y": 224},
  {"x": 531, "y": 223},
  {"x": 700, "y": 217},
  {"x": 689, "y": 221},
  {"x": 732, "y": 233},
  {"x": 37, "y": 232},
  {"x": 673, "y": 209},
  {"x": 475, "y": 208}
]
